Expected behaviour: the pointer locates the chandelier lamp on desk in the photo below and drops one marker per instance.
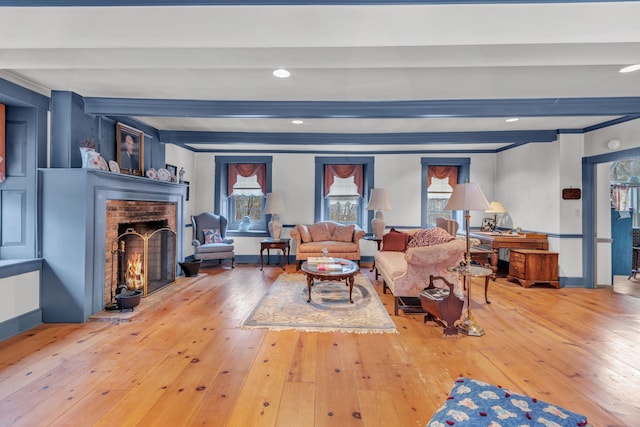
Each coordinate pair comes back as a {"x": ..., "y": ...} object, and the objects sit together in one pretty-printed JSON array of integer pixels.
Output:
[{"x": 496, "y": 208}]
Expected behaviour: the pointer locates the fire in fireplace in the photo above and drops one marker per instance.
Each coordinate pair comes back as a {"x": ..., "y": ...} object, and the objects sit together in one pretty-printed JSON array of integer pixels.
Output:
[{"x": 146, "y": 256}]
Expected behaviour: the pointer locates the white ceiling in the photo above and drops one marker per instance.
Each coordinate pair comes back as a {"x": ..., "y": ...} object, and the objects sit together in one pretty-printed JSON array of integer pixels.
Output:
[{"x": 364, "y": 53}]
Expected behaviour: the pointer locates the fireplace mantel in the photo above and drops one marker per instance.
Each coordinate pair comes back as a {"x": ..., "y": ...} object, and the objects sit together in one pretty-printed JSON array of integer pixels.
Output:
[{"x": 73, "y": 234}]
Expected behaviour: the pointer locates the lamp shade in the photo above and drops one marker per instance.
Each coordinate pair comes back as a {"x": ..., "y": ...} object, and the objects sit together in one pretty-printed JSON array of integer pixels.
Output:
[
  {"x": 496, "y": 208},
  {"x": 379, "y": 200},
  {"x": 275, "y": 204},
  {"x": 467, "y": 197}
]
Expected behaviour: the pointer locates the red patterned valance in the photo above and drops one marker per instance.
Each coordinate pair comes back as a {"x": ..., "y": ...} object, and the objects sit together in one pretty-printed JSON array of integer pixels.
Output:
[
  {"x": 246, "y": 170},
  {"x": 343, "y": 171},
  {"x": 442, "y": 172}
]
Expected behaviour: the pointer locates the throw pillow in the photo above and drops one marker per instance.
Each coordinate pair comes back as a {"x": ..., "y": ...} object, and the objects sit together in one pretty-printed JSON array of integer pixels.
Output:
[
  {"x": 343, "y": 233},
  {"x": 429, "y": 237},
  {"x": 320, "y": 232},
  {"x": 208, "y": 235},
  {"x": 211, "y": 236},
  {"x": 395, "y": 241},
  {"x": 304, "y": 233}
]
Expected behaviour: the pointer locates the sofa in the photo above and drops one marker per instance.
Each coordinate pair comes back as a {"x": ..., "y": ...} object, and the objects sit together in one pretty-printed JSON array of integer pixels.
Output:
[
  {"x": 341, "y": 241},
  {"x": 408, "y": 258}
]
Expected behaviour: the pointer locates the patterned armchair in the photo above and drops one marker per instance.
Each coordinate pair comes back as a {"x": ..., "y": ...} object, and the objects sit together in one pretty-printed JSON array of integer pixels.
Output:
[{"x": 209, "y": 239}]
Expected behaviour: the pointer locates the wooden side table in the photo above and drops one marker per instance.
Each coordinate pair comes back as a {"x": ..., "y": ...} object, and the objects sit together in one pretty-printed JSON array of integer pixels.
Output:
[
  {"x": 378, "y": 241},
  {"x": 529, "y": 266},
  {"x": 268, "y": 244}
]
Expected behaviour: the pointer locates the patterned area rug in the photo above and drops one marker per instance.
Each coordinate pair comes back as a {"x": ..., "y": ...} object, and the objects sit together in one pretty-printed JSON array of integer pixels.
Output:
[{"x": 285, "y": 307}]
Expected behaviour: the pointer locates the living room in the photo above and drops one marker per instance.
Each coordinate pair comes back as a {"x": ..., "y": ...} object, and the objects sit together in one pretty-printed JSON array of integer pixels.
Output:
[{"x": 527, "y": 176}]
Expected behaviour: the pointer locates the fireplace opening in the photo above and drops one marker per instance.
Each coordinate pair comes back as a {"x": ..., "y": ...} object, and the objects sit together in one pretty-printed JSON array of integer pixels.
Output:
[{"x": 146, "y": 256}]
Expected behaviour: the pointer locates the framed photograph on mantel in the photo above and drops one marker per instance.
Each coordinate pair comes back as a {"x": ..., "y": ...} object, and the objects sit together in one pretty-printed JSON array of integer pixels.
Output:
[
  {"x": 130, "y": 149},
  {"x": 173, "y": 170}
]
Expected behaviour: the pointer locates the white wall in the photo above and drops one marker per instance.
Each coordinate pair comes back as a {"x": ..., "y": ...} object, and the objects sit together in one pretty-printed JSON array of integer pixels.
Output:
[
  {"x": 20, "y": 295},
  {"x": 528, "y": 187},
  {"x": 528, "y": 180},
  {"x": 294, "y": 176},
  {"x": 627, "y": 133}
]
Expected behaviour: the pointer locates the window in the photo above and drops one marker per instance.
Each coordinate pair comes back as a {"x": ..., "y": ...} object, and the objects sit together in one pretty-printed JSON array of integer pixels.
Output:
[
  {"x": 242, "y": 185},
  {"x": 342, "y": 185},
  {"x": 439, "y": 176},
  {"x": 440, "y": 183},
  {"x": 344, "y": 201}
]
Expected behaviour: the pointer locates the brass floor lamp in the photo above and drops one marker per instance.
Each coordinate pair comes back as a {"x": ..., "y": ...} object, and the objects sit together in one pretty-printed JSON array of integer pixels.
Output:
[{"x": 468, "y": 197}]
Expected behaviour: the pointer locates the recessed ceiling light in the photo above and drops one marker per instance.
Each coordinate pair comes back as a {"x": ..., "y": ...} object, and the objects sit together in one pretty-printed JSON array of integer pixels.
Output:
[
  {"x": 630, "y": 68},
  {"x": 297, "y": 122},
  {"x": 513, "y": 119},
  {"x": 282, "y": 73}
]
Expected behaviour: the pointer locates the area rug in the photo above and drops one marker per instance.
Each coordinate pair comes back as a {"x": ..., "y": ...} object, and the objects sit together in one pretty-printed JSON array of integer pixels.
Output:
[{"x": 285, "y": 307}]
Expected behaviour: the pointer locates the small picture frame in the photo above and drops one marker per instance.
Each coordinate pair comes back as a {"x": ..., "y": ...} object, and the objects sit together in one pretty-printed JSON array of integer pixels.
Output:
[
  {"x": 130, "y": 149},
  {"x": 488, "y": 224},
  {"x": 187, "y": 184},
  {"x": 173, "y": 170}
]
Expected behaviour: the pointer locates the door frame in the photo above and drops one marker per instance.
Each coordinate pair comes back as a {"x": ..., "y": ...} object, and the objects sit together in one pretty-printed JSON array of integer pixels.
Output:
[{"x": 589, "y": 199}]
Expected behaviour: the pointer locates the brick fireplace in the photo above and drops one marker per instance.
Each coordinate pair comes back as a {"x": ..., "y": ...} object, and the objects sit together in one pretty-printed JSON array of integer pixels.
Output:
[
  {"x": 78, "y": 207},
  {"x": 135, "y": 215}
]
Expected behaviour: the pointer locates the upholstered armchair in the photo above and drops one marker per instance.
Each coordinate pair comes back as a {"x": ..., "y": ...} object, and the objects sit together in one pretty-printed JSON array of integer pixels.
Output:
[
  {"x": 209, "y": 239},
  {"x": 450, "y": 225}
]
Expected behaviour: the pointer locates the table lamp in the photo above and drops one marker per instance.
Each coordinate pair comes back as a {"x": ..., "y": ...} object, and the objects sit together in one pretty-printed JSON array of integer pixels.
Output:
[
  {"x": 468, "y": 197},
  {"x": 378, "y": 202},
  {"x": 495, "y": 208},
  {"x": 275, "y": 206}
]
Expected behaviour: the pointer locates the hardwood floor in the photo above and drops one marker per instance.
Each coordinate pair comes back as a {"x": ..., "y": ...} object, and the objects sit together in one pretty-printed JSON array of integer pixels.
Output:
[{"x": 182, "y": 359}]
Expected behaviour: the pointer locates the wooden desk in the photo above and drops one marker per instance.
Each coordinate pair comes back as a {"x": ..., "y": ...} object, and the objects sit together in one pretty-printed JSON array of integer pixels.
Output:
[{"x": 510, "y": 241}]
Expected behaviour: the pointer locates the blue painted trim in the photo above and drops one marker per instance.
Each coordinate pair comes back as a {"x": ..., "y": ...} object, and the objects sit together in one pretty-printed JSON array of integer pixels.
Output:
[
  {"x": 416, "y": 138},
  {"x": 13, "y": 94},
  {"x": 326, "y": 152},
  {"x": 610, "y": 123},
  {"x": 367, "y": 162},
  {"x": 107, "y": 3},
  {"x": 10, "y": 268},
  {"x": 572, "y": 282},
  {"x": 22, "y": 323},
  {"x": 446, "y": 108}
]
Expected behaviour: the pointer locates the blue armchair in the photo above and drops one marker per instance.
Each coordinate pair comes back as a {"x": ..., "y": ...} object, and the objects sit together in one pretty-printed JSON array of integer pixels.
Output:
[{"x": 209, "y": 239}]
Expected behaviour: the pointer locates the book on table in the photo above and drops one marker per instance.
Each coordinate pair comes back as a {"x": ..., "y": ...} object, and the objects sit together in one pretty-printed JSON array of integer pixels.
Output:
[
  {"x": 329, "y": 267},
  {"x": 320, "y": 260}
]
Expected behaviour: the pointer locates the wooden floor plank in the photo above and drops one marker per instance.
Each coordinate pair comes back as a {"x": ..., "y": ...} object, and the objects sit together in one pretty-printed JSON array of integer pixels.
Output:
[
  {"x": 573, "y": 347},
  {"x": 297, "y": 407}
]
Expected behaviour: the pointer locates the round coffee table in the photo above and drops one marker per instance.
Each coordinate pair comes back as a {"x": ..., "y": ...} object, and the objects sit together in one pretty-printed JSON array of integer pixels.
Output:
[{"x": 346, "y": 271}]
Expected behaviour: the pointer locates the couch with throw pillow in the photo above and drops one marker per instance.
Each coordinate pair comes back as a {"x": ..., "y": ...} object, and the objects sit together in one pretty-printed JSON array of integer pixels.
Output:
[
  {"x": 407, "y": 259},
  {"x": 341, "y": 241}
]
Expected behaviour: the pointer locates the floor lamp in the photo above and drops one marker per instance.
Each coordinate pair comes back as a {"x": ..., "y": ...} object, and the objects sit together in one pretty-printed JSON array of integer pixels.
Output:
[{"x": 468, "y": 197}]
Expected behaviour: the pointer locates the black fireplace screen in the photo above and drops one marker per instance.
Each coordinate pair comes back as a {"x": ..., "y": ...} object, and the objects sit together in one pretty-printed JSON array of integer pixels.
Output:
[{"x": 146, "y": 257}]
